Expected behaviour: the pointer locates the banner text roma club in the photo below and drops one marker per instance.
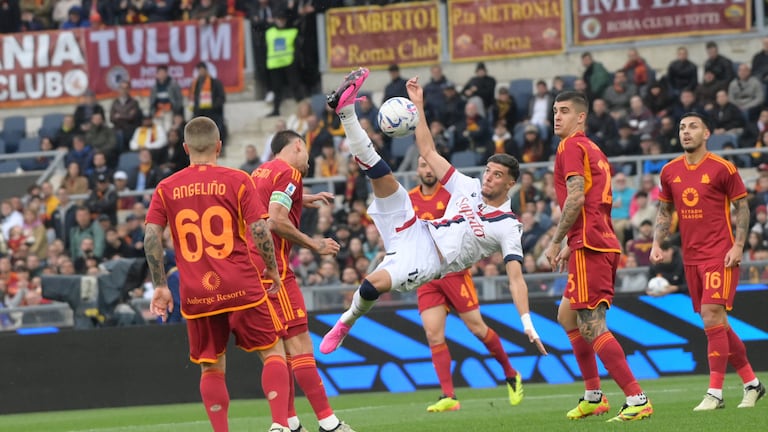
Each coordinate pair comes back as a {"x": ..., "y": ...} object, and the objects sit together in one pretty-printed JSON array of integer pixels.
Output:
[
  {"x": 606, "y": 21},
  {"x": 504, "y": 29},
  {"x": 378, "y": 36},
  {"x": 38, "y": 68}
]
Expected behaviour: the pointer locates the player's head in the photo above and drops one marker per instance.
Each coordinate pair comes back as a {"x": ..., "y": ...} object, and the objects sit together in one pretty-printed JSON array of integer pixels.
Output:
[
  {"x": 501, "y": 172},
  {"x": 694, "y": 131},
  {"x": 201, "y": 137},
  {"x": 290, "y": 146},
  {"x": 425, "y": 173},
  {"x": 570, "y": 113}
]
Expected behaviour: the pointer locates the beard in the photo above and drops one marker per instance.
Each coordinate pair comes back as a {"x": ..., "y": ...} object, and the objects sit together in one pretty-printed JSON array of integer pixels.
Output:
[{"x": 428, "y": 181}]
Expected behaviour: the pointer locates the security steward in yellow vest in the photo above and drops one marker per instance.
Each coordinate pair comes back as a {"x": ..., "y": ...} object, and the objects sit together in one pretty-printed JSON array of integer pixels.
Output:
[{"x": 281, "y": 51}]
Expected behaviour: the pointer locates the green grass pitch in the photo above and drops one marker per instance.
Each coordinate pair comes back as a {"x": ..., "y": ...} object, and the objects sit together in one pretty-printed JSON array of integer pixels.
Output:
[{"x": 543, "y": 409}]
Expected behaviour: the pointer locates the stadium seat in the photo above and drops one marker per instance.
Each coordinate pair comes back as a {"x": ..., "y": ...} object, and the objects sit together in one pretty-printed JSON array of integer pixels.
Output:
[
  {"x": 9, "y": 166},
  {"x": 14, "y": 129},
  {"x": 464, "y": 159},
  {"x": 522, "y": 91},
  {"x": 318, "y": 104},
  {"x": 128, "y": 161},
  {"x": 51, "y": 125},
  {"x": 400, "y": 146},
  {"x": 29, "y": 145},
  {"x": 717, "y": 141},
  {"x": 568, "y": 81},
  {"x": 2, "y": 146}
]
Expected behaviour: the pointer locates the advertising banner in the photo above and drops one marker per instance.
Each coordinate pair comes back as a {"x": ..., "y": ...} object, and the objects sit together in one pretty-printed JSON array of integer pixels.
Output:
[
  {"x": 42, "y": 68},
  {"x": 378, "y": 36},
  {"x": 115, "y": 53},
  {"x": 45, "y": 68},
  {"x": 504, "y": 29},
  {"x": 605, "y": 21}
]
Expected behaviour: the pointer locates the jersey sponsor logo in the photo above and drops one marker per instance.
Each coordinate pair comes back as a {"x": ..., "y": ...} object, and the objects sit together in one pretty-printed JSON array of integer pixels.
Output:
[
  {"x": 440, "y": 205},
  {"x": 466, "y": 210},
  {"x": 690, "y": 197},
  {"x": 705, "y": 179},
  {"x": 677, "y": 180},
  {"x": 211, "y": 281}
]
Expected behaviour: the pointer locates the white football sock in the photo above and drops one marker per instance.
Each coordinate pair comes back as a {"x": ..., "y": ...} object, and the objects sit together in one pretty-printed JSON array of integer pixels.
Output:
[
  {"x": 638, "y": 399},
  {"x": 359, "y": 307},
  {"x": 359, "y": 143},
  {"x": 294, "y": 422},
  {"x": 593, "y": 395},
  {"x": 718, "y": 393},
  {"x": 329, "y": 423}
]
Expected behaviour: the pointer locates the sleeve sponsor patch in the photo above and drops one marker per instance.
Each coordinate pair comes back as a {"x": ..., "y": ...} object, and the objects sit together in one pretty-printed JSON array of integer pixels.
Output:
[
  {"x": 282, "y": 198},
  {"x": 290, "y": 189}
]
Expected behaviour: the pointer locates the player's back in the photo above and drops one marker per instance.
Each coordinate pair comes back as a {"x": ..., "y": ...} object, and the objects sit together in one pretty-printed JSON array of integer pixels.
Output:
[
  {"x": 702, "y": 195},
  {"x": 206, "y": 207},
  {"x": 277, "y": 181},
  {"x": 577, "y": 155}
]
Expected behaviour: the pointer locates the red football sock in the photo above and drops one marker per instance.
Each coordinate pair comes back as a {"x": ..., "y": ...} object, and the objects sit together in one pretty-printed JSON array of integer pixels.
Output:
[
  {"x": 737, "y": 357},
  {"x": 291, "y": 387},
  {"x": 441, "y": 359},
  {"x": 493, "y": 344},
  {"x": 717, "y": 353},
  {"x": 585, "y": 357},
  {"x": 305, "y": 369},
  {"x": 213, "y": 390},
  {"x": 274, "y": 382},
  {"x": 612, "y": 355}
]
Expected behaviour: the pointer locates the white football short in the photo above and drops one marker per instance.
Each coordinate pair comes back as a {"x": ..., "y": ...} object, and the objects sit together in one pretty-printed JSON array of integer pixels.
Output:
[{"x": 412, "y": 259}]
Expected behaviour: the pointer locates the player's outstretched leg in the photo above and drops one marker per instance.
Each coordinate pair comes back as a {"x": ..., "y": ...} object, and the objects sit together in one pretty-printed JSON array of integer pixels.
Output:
[{"x": 363, "y": 300}]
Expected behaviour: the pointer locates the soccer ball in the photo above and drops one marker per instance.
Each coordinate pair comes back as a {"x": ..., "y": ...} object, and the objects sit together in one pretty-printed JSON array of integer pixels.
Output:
[
  {"x": 657, "y": 285},
  {"x": 398, "y": 117}
]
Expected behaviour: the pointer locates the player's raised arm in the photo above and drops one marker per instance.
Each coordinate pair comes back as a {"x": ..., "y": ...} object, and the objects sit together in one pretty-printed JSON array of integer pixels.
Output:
[
  {"x": 519, "y": 290},
  {"x": 424, "y": 141}
]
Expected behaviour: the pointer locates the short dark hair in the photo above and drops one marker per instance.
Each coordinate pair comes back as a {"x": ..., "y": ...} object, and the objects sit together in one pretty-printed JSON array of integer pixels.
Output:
[
  {"x": 508, "y": 161},
  {"x": 704, "y": 119},
  {"x": 577, "y": 98},
  {"x": 282, "y": 139},
  {"x": 586, "y": 54},
  {"x": 711, "y": 44},
  {"x": 162, "y": 67}
]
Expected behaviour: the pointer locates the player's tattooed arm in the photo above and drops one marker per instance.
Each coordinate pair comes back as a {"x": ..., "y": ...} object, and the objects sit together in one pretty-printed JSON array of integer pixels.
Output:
[
  {"x": 262, "y": 238},
  {"x": 663, "y": 221},
  {"x": 592, "y": 322},
  {"x": 742, "y": 221},
  {"x": 153, "y": 249},
  {"x": 574, "y": 202}
]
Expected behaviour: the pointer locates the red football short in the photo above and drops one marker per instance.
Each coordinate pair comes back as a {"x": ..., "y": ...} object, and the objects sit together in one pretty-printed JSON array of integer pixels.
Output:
[
  {"x": 255, "y": 329},
  {"x": 455, "y": 290},
  {"x": 290, "y": 308},
  {"x": 591, "y": 278},
  {"x": 711, "y": 283}
]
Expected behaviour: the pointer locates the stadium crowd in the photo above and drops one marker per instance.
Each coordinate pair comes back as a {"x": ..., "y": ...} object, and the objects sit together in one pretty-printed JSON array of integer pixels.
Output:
[{"x": 131, "y": 148}]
